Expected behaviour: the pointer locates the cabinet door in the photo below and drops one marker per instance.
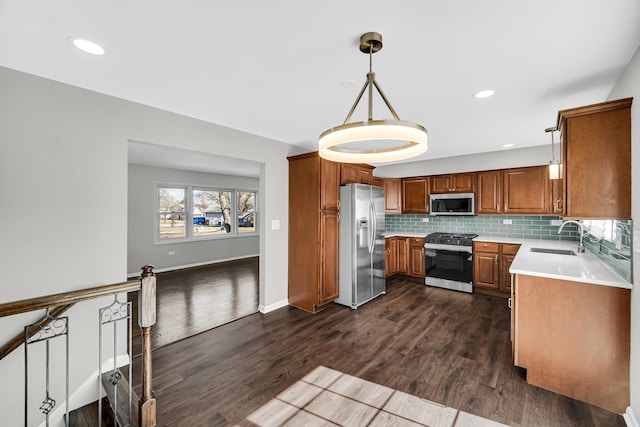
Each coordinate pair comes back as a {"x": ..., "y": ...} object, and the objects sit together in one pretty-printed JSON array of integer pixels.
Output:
[
  {"x": 329, "y": 185},
  {"x": 526, "y": 190},
  {"x": 364, "y": 176},
  {"x": 505, "y": 276},
  {"x": 392, "y": 193},
  {"x": 377, "y": 181},
  {"x": 348, "y": 174},
  {"x": 416, "y": 257},
  {"x": 598, "y": 160},
  {"x": 402, "y": 256},
  {"x": 441, "y": 184},
  {"x": 393, "y": 255},
  {"x": 463, "y": 182},
  {"x": 485, "y": 270},
  {"x": 415, "y": 195},
  {"x": 329, "y": 257},
  {"x": 489, "y": 196}
]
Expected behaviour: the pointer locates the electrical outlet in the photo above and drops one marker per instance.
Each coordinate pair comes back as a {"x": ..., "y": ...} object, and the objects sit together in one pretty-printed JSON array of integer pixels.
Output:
[
  {"x": 507, "y": 221},
  {"x": 275, "y": 224},
  {"x": 425, "y": 219},
  {"x": 556, "y": 222},
  {"x": 171, "y": 253}
]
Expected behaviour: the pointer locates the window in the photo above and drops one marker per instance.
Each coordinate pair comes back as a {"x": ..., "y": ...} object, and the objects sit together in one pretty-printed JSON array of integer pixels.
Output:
[
  {"x": 171, "y": 213},
  {"x": 186, "y": 213},
  {"x": 246, "y": 212},
  {"x": 211, "y": 212}
]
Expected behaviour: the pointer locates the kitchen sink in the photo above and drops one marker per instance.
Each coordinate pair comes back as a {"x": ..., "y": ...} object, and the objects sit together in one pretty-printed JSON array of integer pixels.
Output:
[{"x": 553, "y": 251}]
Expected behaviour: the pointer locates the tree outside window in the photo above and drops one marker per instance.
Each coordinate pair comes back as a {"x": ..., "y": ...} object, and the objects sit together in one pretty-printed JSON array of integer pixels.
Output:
[
  {"x": 172, "y": 214},
  {"x": 211, "y": 212},
  {"x": 246, "y": 211}
]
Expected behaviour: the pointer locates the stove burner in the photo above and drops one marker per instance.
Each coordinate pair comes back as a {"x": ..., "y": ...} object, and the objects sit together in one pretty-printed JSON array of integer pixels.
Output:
[{"x": 454, "y": 239}]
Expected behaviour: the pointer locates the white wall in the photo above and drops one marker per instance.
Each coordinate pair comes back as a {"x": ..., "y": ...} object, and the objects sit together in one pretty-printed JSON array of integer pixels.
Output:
[
  {"x": 63, "y": 196},
  {"x": 513, "y": 158},
  {"x": 141, "y": 247},
  {"x": 629, "y": 86}
]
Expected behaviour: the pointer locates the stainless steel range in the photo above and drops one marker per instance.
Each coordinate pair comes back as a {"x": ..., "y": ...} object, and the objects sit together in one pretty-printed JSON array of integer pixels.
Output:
[{"x": 448, "y": 261}]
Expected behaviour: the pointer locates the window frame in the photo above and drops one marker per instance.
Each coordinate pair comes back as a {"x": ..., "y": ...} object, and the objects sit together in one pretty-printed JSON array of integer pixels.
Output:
[{"x": 189, "y": 226}]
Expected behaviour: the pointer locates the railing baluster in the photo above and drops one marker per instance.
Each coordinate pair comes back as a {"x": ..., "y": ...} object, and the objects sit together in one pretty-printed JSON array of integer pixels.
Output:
[{"x": 146, "y": 320}]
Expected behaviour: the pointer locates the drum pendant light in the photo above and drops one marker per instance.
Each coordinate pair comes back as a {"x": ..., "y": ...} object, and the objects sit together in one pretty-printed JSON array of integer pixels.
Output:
[{"x": 393, "y": 139}]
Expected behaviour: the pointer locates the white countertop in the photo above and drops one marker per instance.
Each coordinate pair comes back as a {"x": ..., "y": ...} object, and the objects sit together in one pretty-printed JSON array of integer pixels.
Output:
[
  {"x": 585, "y": 267},
  {"x": 403, "y": 234}
]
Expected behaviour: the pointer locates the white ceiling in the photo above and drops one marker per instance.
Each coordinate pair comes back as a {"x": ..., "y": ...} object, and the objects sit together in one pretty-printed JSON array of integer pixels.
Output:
[{"x": 275, "y": 68}]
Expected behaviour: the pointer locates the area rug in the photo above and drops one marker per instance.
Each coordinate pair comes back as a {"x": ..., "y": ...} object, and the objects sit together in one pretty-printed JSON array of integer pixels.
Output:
[{"x": 326, "y": 397}]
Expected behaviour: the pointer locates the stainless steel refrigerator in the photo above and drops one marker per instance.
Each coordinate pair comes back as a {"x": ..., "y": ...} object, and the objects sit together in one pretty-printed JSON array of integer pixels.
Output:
[{"x": 361, "y": 244}]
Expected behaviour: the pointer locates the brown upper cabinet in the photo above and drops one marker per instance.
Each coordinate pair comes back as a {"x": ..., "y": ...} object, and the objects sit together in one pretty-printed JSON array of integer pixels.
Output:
[
  {"x": 378, "y": 182},
  {"x": 415, "y": 195},
  {"x": 392, "y": 196},
  {"x": 526, "y": 190},
  {"x": 455, "y": 183},
  {"x": 356, "y": 174},
  {"x": 489, "y": 194},
  {"x": 596, "y": 147}
]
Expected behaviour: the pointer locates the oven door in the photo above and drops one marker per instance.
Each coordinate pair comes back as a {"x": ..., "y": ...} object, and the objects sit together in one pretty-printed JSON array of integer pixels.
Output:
[{"x": 448, "y": 266}]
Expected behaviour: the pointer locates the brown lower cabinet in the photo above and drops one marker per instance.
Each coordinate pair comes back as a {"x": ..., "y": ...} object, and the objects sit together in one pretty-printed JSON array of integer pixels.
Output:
[
  {"x": 573, "y": 339},
  {"x": 404, "y": 255},
  {"x": 491, "y": 262}
]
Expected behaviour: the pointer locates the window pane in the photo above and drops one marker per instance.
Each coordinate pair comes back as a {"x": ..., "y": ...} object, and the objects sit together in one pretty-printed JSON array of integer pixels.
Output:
[
  {"x": 171, "y": 213},
  {"x": 211, "y": 212},
  {"x": 246, "y": 212}
]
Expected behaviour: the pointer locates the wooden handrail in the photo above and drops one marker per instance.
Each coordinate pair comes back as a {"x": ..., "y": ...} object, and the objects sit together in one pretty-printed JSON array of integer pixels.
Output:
[
  {"x": 65, "y": 298},
  {"x": 18, "y": 340}
]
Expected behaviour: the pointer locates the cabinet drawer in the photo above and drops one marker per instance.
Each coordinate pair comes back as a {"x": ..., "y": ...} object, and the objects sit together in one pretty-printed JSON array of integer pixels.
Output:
[
  {"x": 508, "y": 249},
  {"x": 486, "y": 247},
  {"x": 416, "y": 241}
]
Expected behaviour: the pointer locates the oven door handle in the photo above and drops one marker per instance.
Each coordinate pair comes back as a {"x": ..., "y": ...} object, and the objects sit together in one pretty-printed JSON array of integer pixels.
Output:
[{"x": 451, "y": 248}]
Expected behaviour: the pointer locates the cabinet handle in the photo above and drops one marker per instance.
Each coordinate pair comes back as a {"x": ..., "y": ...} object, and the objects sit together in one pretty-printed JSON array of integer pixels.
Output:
[
  {"x": 506, "y": 207},
  {"x": 498, "y": 208},
  {"x": 509, "y": 303},
  {"x": 496, "y": 259}
]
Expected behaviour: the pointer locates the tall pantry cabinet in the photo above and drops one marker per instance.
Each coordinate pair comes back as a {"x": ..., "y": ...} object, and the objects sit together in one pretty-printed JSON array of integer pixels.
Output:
[{"x": 314, "y": 195}]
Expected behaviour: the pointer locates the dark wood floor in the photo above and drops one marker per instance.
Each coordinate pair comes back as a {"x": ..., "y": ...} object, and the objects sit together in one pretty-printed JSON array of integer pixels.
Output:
[
  {"x": 445, "y": 346},
  {"x": 194, "y": 300}
]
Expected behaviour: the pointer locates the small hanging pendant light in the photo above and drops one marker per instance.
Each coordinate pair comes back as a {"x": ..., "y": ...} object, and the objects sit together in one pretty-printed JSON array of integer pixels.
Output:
[
  {"x": 554, "y": 165},
  {"x": 396, "y": 139}
]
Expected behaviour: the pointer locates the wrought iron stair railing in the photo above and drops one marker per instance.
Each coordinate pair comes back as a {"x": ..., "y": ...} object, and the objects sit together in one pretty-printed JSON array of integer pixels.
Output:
[{"x": 53, "y": 328}]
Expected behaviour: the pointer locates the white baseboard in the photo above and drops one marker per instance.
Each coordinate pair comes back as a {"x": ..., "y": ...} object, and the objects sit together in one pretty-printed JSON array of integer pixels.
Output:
[
  {"x": 264, "y": 309},
  {"x": 630, "y": 418},
  {"x": 197, "y": 264}
]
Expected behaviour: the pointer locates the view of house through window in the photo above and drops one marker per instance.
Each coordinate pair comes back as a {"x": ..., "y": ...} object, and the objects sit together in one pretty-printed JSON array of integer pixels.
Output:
[
  {"x": 186, "y": 212},
  {"x": 211, "y": 212},
  {"x": 246, "y": 211},
  {"x": 172, "y": 214}
]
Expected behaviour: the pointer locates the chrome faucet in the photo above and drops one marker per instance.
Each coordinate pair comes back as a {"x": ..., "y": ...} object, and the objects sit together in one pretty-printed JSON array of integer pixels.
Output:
[{"x": 579, "y": 224}]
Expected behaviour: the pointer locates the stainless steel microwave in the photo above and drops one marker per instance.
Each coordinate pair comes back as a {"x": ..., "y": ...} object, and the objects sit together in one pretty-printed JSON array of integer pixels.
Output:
[{"x": 452, "y": 204}]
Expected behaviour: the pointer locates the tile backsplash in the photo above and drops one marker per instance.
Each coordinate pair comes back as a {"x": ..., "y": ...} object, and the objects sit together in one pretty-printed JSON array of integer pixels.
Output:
[
  {"x": 521, "y": 227},
  {"x": 614, "y": 248},
  {"x": 616, "y": 254}
]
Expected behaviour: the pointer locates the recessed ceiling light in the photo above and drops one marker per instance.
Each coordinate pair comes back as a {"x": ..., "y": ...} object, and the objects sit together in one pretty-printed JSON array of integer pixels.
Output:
[
  {"x": 484, "y": 93},
  {"x": 508, "y": 145},
  {"x": 87, "y": 46}
]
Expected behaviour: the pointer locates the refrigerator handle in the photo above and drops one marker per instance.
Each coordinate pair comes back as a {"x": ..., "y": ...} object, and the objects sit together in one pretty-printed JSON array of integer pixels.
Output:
[{"x": 372, "y": 228}]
